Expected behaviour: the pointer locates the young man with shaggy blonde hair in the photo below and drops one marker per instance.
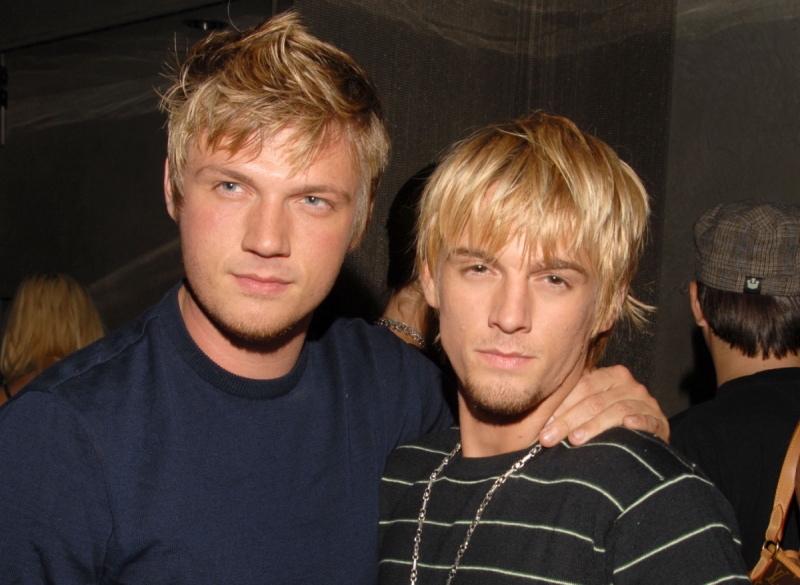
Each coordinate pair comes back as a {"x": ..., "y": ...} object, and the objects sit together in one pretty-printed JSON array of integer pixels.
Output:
[
  {"x": 529, "y": 237},
  {"x": 220, "y": 437}
]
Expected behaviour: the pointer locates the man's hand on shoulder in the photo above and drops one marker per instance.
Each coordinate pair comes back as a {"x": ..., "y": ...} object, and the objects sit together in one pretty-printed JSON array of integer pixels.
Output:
[{"x": 605, "y": 398}]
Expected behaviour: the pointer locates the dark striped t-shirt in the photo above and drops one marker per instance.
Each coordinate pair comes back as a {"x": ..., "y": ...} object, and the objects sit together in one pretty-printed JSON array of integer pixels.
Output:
[{"x": 624, "y": 508}]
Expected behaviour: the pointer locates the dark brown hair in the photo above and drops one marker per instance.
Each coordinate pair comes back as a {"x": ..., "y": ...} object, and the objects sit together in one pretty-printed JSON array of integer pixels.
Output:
[{"x": 753, "y": 324}]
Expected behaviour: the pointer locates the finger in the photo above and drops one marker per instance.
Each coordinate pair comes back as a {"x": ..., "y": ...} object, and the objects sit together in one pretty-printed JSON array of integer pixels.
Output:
[
  {"x": 600, "y": 412},
  {"x": 614, "y": 379},
  {"x": 648, "y": 424},
  {"x": 553, "y": 433},
  {"x": 603, "y": 399},
  {"x": 586, "y": 419}
]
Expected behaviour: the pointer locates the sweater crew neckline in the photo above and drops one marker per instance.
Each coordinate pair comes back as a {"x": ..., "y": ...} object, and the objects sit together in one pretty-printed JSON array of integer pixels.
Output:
[
  {"x": 211, "y": 372},
  {"x": 471, "y": 468}
]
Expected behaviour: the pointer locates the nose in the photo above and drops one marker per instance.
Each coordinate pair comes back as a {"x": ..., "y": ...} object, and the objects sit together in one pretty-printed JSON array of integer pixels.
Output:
[
  {"x": 267, "y": 229},
  {"x": 512, "y": 306}
]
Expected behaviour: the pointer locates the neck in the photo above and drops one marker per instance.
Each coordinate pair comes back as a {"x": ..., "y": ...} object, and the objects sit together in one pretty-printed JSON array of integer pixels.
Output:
[
  {"x": 731, "y": 363},
  {"x": 485, "y": 435},
  {"x": 259, "y": 361}
]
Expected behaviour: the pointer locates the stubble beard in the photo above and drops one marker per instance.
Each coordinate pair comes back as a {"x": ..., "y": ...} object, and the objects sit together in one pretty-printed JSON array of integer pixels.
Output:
[
  {"x": 242, "y": 333},
  {"x": 501, "y": 401}
]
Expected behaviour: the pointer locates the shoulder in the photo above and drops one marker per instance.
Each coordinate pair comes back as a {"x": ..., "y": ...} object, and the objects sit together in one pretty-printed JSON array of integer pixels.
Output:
[
  {"x": 375, "y": 356},
  {"x": 383, "y": 377},
  {"x": 378, "y": 343},
  {"x": 665, "y": 510},
  {"x": 99, "y": 355},
  {"x": 622, "y": 446},
  {"x": 746, "y": 411},
  {"x": 85, "y": 376},
  {"x": 644, "y": 460}
]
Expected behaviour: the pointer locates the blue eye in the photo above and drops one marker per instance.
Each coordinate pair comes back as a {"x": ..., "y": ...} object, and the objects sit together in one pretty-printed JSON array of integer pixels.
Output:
[
  {"x": 478, "y": 269},
  {"x": 317, "y": 203}
]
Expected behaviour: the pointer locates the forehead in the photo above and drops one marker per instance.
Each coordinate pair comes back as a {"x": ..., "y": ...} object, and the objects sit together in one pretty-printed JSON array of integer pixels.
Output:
[{"x": 287, "y": 148}]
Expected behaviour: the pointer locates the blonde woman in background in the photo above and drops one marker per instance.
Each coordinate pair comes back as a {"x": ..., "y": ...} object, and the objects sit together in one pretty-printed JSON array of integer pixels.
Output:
[{"x": 51, "y": 316}]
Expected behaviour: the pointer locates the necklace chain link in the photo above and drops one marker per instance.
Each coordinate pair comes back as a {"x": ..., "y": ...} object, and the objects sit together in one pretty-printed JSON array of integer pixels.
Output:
[{"x": 426, "y": 496}]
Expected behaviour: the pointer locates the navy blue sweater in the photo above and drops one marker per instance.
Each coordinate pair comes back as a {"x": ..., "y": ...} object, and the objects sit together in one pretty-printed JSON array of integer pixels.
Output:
[{"x": 139, "y": 460}]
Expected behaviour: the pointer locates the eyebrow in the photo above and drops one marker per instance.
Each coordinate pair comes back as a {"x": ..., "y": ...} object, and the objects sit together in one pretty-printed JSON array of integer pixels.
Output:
[
  {"x": 473, "y": 253},
  {"x": 235, "y": 175},
  {"x": 560, "y": 264},
  {"x": 303, "y": 190},
  {"x": 553, "y": 263}
]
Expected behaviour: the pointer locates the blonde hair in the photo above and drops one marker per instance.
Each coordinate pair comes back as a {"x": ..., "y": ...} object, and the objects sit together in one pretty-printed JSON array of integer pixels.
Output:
[
  {"x": 51, "y": 316},
  {"x": 540, "y": 178},
  {"x": 237, "y": 89}
]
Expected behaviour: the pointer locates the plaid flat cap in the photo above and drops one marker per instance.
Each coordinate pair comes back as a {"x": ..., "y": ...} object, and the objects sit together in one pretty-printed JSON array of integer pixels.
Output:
[{"x": 749, "y": 247}]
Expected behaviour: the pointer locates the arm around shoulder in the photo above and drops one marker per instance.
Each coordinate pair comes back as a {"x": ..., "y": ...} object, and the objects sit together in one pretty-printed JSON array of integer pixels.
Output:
[{"x": 602, "y": 399}]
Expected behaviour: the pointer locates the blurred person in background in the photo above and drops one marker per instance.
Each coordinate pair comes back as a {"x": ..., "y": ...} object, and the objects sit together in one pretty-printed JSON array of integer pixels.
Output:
[
  {"x": 51, "y": 316},
  {"x": 745, "y": 298}
]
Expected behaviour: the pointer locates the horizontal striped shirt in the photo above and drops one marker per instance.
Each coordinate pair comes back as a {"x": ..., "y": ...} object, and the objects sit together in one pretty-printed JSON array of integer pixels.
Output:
[{"x": 623, "y": 508}]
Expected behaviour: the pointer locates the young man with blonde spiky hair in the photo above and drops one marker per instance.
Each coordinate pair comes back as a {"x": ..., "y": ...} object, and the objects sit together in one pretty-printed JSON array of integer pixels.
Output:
[
  {"x": 221, "y": 437},
  {"x": 529, "y": 237}
]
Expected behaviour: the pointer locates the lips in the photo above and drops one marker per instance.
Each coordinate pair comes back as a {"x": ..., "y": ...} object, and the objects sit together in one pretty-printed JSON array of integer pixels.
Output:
[
  {"x": 505, "y": 360},
  {"x": 262, "y": 285}
]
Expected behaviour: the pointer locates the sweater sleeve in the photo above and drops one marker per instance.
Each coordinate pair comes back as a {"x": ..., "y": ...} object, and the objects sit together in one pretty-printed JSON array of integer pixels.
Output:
[
  {"x": 55, "y": 514},
  {"x": 681, "y": 531}
]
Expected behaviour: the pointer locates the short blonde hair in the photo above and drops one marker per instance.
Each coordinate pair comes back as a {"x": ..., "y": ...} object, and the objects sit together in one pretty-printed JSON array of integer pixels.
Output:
[
  {"x": 540, "y": 178},
  {"x": 237, "y": 89},
  {"x": 51, "y": 316}
]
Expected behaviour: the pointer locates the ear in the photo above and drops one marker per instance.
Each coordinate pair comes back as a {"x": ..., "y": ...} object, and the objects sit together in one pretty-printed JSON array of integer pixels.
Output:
[
  {"x": 697, "y": 311},
  {"x": 429, "y": 287},
  {"x": 172, "y": 207}
]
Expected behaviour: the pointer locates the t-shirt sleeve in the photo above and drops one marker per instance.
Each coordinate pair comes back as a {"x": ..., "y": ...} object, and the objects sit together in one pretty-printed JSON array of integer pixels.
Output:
[{"x": 54, "y": 520}]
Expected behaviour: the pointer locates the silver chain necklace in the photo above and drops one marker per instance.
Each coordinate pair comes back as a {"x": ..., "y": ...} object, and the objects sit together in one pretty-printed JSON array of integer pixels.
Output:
[{"x": 426, "y": 496}]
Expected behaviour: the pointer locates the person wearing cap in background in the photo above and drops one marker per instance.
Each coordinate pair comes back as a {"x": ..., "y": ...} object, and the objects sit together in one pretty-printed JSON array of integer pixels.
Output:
[{"x": 746, "y": 300}]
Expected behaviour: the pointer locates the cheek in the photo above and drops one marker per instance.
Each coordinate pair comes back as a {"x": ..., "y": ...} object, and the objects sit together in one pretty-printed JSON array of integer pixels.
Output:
[
  {"x": 455, "y": 327},
  {"x": 575, "y": 327},
  {"x": 206, "y": 245},
  {"x": 320, "y": 253},
  {"x": 200, "y": 234},
  {"x": 325, "y": 244}
]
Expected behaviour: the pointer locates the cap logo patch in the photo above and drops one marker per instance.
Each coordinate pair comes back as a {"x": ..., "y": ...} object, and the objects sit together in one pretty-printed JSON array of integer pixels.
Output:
[{"x": 752, "y": 285}]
